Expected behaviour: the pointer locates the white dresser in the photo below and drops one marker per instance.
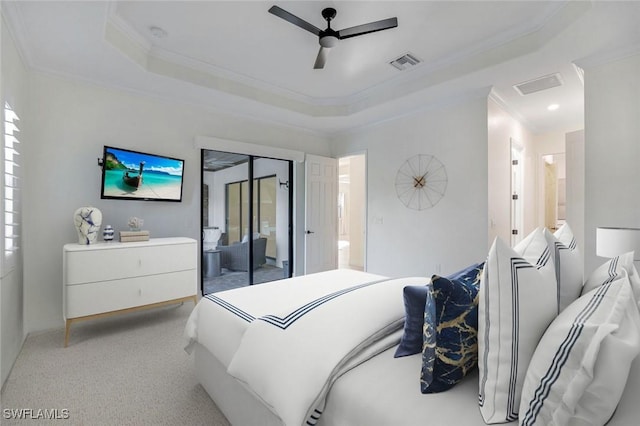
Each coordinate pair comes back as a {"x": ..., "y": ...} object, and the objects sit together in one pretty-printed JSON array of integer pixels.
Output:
[{"x": 108, "y": 278}]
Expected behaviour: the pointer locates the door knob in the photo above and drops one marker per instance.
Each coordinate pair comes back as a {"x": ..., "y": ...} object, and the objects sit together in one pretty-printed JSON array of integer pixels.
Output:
[{"x": 309, "y": 232}]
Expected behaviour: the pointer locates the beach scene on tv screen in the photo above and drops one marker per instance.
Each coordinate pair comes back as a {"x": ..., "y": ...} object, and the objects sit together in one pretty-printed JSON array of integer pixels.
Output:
[{"x": 138, "y": 175}]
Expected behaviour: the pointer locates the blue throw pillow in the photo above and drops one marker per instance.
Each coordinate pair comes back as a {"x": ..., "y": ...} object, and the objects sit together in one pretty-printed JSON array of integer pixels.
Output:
[
  {"x": 468, "y": 274},
  {"x": 414, "y": 298},
  {"x": 450, "y": 330}
]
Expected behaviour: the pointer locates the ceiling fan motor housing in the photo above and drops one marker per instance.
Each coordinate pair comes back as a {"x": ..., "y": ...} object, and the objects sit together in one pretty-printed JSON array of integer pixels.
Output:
[
  {"x": 328, "y": 13},
  {"x": 328, "y": 38}
]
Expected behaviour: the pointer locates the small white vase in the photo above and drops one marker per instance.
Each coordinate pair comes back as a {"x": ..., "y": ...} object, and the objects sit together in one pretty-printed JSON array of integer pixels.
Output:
[{"x": 108, "y": 233}]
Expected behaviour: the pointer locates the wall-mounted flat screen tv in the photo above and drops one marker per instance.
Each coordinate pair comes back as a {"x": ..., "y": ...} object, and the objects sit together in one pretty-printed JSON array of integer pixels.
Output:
[{"x": 133, "y": 175}]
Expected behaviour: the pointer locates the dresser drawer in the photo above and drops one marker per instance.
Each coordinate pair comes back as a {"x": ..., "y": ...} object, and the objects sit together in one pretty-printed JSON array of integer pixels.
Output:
[
  {"x": 126, "y": 262},
  {"x": 98, "y": 297}
]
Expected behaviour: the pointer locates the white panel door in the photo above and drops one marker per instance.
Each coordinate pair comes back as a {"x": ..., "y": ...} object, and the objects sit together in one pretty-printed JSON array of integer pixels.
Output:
[{"x": 321, "y": 214}]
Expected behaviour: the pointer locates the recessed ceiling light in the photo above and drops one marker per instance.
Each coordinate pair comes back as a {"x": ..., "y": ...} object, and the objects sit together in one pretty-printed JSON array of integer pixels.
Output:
[
  {"x": 553, "y": 107},
  {"x": 157, "y": 32}
]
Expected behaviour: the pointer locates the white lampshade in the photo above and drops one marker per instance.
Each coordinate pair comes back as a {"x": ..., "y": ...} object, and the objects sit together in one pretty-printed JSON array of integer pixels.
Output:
[{"x": 612, "y": 242}]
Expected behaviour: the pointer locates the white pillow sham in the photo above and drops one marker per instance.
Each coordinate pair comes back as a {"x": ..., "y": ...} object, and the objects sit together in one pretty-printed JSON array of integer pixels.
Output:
[
  {"x": 518, "y": 300},
  {"x": 568, "y": 264},
  {"x": 580, "y": 368},
  {"x": 613, "y": 269}
]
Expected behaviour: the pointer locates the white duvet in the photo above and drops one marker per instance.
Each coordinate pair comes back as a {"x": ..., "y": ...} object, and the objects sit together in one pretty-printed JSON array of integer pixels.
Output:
[
  {"x": 219, "y": 320},
  {"x": 290, "y": 357}
]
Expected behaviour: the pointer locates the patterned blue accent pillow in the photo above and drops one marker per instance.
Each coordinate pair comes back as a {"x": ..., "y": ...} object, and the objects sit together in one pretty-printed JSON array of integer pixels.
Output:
[{"x": 450, "y": 330}]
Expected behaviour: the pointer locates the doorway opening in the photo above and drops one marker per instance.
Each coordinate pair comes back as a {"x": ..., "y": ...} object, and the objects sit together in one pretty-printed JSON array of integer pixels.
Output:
[
  {"x": 352, "y": 202},
  {"x": 247, "y": 218},
  {"x": 554, "y": 189}
]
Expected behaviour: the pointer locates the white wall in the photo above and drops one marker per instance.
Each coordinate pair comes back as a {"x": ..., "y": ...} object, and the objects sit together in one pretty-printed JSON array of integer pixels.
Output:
[
  {"x": 14, "y": 83},
  {"x": 502, "y": 128},
  {"x": 2, "y": 376},
  {"x": 612, "y": 149},
  {"x": 74, "y": 120},
  {"x": 575, "y": 185},
  {"x": 452, "y": 234}
]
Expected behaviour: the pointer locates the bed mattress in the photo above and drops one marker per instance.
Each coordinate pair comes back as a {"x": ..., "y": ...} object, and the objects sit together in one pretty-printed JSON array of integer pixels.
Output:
[{"x": 383, "y": 391}]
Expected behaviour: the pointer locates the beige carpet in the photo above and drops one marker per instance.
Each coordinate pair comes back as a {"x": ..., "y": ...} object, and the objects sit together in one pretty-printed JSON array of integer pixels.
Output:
[{"x": 124, "y": 370}]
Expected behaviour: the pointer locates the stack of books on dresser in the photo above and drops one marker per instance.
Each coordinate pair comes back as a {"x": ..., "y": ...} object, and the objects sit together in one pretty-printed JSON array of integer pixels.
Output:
[{"x": 131, "y": 236}]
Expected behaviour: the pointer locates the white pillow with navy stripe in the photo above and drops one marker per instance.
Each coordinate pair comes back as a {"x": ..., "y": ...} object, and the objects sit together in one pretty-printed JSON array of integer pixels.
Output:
[
  {"x": 579, "y": 370},
  {"x": 518, "y": 300},
  {"x": 568, "y": 263},
  {"x": 612, "y": 270}
]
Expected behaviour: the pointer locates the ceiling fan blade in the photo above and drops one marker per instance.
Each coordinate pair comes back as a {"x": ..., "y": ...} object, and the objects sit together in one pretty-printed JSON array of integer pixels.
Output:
[
  {"x": 371, "y": 27},
  {"x": 321, "y": 58},
  {"x": 281, "y": 13}
]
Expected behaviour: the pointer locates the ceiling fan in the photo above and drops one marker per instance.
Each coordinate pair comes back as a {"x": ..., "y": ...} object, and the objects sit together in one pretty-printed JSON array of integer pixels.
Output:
[{"x": 329, "y": 37}]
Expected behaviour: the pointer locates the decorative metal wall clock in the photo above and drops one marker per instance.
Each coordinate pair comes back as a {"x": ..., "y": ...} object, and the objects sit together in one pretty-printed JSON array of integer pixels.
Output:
[{"x": 421, "y": 182}]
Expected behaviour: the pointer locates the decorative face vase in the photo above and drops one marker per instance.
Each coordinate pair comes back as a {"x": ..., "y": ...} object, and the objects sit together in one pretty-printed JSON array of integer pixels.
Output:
[{"x": 87, "y": 221}]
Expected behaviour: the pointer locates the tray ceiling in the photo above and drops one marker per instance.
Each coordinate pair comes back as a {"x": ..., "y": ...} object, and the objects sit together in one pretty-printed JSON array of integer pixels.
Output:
[{"x": 237, "y": 57}]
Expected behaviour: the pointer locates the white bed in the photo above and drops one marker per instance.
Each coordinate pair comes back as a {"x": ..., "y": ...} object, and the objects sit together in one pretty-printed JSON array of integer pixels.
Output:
[
  {"x": 350, "y": 401},
  {"x": 288, "y": 341},
  {"x": 373, "y": 388}
]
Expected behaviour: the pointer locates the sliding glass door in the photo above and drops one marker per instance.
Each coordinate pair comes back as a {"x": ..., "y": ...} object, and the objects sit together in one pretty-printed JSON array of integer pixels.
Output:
[{"x": 247, "y": 232}]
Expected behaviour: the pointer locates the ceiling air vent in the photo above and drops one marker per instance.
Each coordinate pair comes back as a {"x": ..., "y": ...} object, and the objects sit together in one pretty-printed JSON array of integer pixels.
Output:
[
  {"x": 538, "y": 84},
  {"x": 405, "y": 61}
]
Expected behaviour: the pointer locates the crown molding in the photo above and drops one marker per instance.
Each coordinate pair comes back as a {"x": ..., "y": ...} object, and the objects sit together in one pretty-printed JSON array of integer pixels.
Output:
[
  {"x": 608, "y": 56},
  {"x": 435, "y": 104},
  {"x": 239, "y": 147},
  {"x": 18, "y": 33},
  {"x": 498, "y": 100},
  {"x": 172, "y": 100}
]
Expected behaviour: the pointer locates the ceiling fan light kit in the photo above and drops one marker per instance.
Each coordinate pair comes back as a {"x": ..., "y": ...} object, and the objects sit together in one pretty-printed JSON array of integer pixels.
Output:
[
  {"x": 328, "y": 41},
  {"x": 329, "y": 37}
]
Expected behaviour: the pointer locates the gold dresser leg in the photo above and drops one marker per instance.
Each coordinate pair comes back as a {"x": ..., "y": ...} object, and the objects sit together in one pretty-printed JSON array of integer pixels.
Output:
[
  {"x": 66, "y": 333},
  {"x": 126, "y": 310}
]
